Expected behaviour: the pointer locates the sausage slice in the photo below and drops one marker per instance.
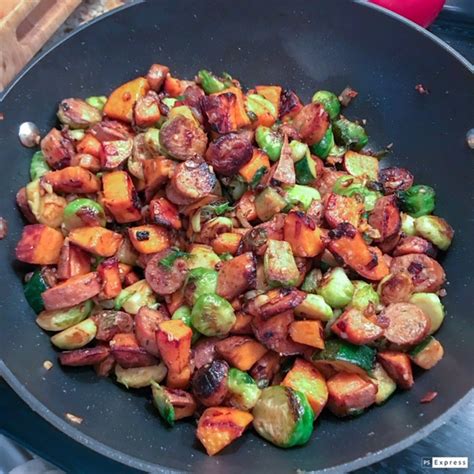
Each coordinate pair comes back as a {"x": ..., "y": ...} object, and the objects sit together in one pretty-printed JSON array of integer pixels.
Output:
[
  {"x": 386, "y": 217},
  {"x": 426, "y": 274},
  {"x": 407, "y": 324},
  {"x": 165, "y": 280},
  {"x": 72, "y": 292},
  {"x": 229, "y": 153},
  {"x": 191, "y": 181}
]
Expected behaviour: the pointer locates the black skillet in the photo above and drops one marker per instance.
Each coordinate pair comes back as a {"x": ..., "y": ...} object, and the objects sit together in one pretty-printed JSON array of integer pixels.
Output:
[{"x": 300, "y": 44}]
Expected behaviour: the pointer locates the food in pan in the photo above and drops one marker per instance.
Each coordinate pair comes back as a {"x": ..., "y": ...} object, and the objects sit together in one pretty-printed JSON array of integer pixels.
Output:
[{"x": 241, "y": 253}]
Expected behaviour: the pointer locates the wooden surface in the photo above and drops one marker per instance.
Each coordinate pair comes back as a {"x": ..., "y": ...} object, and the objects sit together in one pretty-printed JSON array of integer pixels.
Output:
[{"x": 25, "y": 25}]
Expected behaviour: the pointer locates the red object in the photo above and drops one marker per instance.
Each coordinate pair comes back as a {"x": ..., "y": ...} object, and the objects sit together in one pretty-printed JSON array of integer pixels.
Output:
[{"x": 422, "y": 12}]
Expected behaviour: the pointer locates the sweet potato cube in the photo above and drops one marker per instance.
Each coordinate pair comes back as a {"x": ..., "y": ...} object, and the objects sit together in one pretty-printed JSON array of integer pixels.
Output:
[
  {"x": 305, "y": 378},
  {"x": 303, "y": 235},
  {"x": 258, "y": 161},
  {"x": 173, "y": 339},
  {"x": 240, "y": 351},
  {"x": 89, "y": 145},
  {"x": 348, "y": 244},
  {"x": 307, "y": 332},
  {"x": 226, "y": 242},
  {"x": 149, "y": 238},
  {"x": 398, "y": 367},
  {"x": 40, "y": 245},
  {"x": 219, "y": 426},
  {"x": 121, "y": 102},
  {"x": 72, "y": 179},
  {"x": 108, "y": 271},
  {"x": 350, "y": 394},
  {"x": 164, "y": 212},
  {"x": 72, "y": 261},
  {"x": 120, "y": 197},
  {"x": 236, "y": 276},
  {"x": 242, "y": 324},
  {"x": 97, "y": 240}
]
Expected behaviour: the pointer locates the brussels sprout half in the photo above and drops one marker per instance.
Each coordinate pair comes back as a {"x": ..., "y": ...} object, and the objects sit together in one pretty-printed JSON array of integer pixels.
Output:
[
  {"x": 212, "y": 315},
  {"x": 336, "y": 288},
  {"x": 283, "y": 416}
]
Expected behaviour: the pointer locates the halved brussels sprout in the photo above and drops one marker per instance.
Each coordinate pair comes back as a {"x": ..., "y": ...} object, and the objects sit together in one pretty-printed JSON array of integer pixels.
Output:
[
  {"x": 201, "y": 281},
  {"x": 132, "y": 298},
  {"x": 77, "y": 113},
  {"x": 258, "y": 105},
  {"x": 269, "y": 141},
  {"x": 408, "y": 224},
  {"x": 212, "y": 315},
  {"x": 352, "y": 186},
  {"x": 436, "y": 230},
  {"x": 211, "y": 83},
  {"x": 283, "y": 416},
  {"x": 97, "y": 101},
  {"x": 243, "y": 390},
  {"x": 431, "y": 305},
  {"x": 76, "y": 336},
  {"x": 298, "y": 150},
  {"x": 83, "y": 212},
  {"x": 38, "y": 166},
  {"x": 329, "y": 101},
  {"x": 303, "y": 195},
  {"x": 336, "y": 288},
  {"x": 60, "y": 319},
  {"x": 279, "y": 264},
  {"x": 138, "y": 377},
  {"x": 364, "y": 294},
  {"x": 325, "y": 147},
  {"x": 418, "y": 200},
  {"x": 349, "y": 134},
  {"x": 268, "y": 203},
  {"x": 311, "y": 281},
  {"x": 314, "y": 307}
]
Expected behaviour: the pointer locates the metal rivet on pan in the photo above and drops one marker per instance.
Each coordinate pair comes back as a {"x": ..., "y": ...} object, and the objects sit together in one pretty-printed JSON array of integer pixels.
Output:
[
  {"x": 470, "y": 138},
  {"x": 29, "y": 134}
]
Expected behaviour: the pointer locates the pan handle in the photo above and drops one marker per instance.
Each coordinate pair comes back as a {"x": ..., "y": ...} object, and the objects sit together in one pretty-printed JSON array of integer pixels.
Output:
[{"x": 25, "y": 28}]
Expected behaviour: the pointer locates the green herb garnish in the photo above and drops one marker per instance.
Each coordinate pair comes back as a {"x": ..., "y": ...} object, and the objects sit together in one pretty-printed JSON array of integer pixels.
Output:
[
  {"x": 169, "y": 260},
  {"x": 257, "y": 177}
]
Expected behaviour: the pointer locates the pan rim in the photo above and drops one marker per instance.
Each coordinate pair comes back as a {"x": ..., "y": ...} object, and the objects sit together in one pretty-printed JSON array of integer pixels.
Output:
[{"x": 134, "y": 462}]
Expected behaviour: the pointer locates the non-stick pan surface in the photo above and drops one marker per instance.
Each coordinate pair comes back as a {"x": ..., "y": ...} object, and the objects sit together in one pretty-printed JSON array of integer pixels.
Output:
[{"x": 306, "y": 46}]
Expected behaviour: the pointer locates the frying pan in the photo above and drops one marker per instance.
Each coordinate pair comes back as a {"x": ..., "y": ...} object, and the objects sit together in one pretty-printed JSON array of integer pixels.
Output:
[{"x": 324, "y": 44}]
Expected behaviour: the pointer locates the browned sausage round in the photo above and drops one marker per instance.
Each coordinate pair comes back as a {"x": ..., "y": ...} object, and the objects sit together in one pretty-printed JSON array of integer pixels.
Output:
[
  {"x": 395, "y": 179},
  {"x": 193, "y": 98},
  {"x": 209, "y": 383},
  {"x": 290, "y": 104},
  {"x": 311, "y": 122},
  {"x": 354, "y": 327},
  {"x": 57, "y": 149},
  {"x": 266, "y": 368},
  {"x": 156, "y": 76},
  {"x": 389, "y": 244},
  {"x": 273, "y": 333},
  {"x": 182, "y": 138},
  {"x": 110, "y": 130},
  {"x": 110, "y": 322},
  {"x": 397, "y": 288},
  {"x": 339, "y": 209},
  {"x": 229, "y": 153},
  {"x": 147, "y": 321},
  {"x": 164, "y": 280},
  {"x": 88, "y": 356},
  {"x": 204, "y": 352},
  {"x": 386, "y": 217},
  {"x": 426, "y": 274},
  {"x": 192, "y": 180},
  {"x": 414, "y": 244},
  {"x": 407, "y": 324}
]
